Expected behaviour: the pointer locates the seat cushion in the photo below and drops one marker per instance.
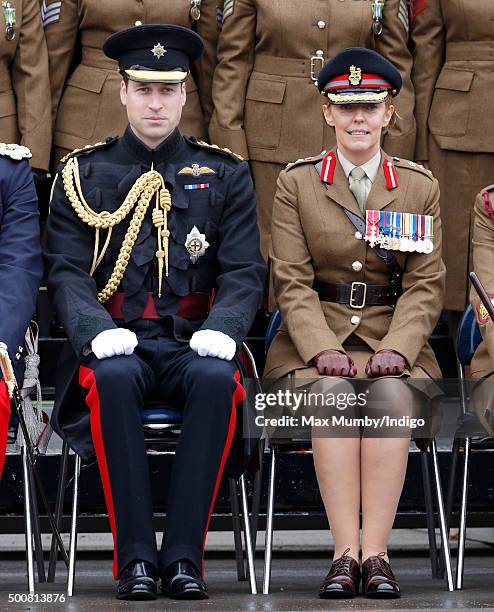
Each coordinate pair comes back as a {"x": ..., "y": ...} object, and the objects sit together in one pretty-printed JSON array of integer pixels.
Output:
[{"x": 161, "y": 415}]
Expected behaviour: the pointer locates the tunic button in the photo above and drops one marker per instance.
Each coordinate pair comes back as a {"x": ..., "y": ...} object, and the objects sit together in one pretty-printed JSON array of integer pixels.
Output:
[
  {"x": 358, "y": 235},
  {"x": 320, "y": 52},
  {"x": 321, "y": 25},
  {"x": 355, "y": 320},
  {"x": 357, "y": 266},
  {"x": 138, "y": 23}
]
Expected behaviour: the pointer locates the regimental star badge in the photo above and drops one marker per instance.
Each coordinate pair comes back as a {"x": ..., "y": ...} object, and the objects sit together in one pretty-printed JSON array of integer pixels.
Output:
[
  {"x": 197, "y": 170},
  {"x": 355, "y": 75},
  {"x": 196, "y": 244},
  {"x": 158, "y": 50}
]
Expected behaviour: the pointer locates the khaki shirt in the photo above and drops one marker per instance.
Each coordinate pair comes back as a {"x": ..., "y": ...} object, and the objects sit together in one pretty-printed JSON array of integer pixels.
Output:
[
  {"x": 24, "y": 87},
  {"x": 313, "y": 240},
  {"x": 86, "y": 102},
  {"x": 453, "y": 75},
  {"x": 266, "y": 105}
]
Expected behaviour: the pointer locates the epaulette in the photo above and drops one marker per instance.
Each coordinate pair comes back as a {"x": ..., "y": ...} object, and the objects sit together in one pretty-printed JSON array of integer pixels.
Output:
[
  {"x": 406, "y": 163},
  {"x": 305, "y": 160},
  {"x": 88, "y": 149},
  {"x": 205, "y": 145},
  {"x": 15, "y": 151}
]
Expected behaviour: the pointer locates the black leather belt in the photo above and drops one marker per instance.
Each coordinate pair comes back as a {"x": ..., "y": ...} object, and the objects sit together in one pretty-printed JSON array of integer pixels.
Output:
[{"x": 357, "y": 295}]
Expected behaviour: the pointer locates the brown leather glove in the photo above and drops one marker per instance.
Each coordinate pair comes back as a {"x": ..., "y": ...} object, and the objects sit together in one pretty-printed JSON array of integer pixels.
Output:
[
  {"x": 385, "y": 363},
  {"x": 334, "y": 363}
]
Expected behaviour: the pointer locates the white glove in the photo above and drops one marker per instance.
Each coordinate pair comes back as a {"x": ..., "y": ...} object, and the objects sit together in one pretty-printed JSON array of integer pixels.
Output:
[
  {"x": 209, "y": 343},
  {"x": 112, "y": 342}
]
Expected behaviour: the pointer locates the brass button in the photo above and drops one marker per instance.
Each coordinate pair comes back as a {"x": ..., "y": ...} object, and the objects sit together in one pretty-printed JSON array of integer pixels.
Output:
[
  {"x": 357, "y": 266},
  {"x": 321, "y": 25},
  {"x": 358, "y": 235},
  {"x": 320, "y": 53},
  {"x": 138, "y": 23},
  {"x": 355, "y": 320}
]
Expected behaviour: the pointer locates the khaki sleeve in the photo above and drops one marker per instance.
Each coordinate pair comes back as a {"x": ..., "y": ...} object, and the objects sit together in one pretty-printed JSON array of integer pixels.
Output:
[
  {"x": 61, "y": 36},
  {"x": 293, "y": 277},
  {"x": 428, "y": 37},
  {"x": 417, "y": 310},
  {"x": 30, "y": 81},
  {"x": 393, "y": 45},
  {"x": 483, "y": 265},
  {"x": 207, "y": 28},
  {"x": 235, "y": 63}
]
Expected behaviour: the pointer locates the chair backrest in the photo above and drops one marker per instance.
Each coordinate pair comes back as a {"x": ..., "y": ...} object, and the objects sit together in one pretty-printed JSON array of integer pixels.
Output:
[
  {"x": 274, "y": 322},
  {"x": 468, "y": 337}
]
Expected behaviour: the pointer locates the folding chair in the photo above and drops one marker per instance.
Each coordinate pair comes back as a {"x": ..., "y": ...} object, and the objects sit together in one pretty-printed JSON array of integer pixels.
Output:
[
  {"x": 425, "y": 456},
  {"x": 161, "y": 425}
]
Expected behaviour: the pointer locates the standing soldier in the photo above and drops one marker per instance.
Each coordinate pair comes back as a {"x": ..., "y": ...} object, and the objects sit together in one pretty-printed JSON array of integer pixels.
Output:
[
  {"x": 85, "y": 101},
  {"x": 154, "y": 269},
  {"x": 266, "y": 105},
  {"x": 24, "y": 89},
  {"x": 453, "y": 76},
  {"x": 20, "y": 264}
]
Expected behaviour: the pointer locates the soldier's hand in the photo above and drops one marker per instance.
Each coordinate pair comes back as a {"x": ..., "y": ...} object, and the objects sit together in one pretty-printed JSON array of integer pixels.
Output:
[
  {"x": 211, "y": 343},
  {"x": 113, "y": 342},
  {"x": 385, "y": 363},
  {"x": 334, "y": 363}
]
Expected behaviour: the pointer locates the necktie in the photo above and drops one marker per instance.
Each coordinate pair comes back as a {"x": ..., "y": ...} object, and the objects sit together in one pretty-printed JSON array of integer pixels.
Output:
[{"x": 357, "y": 186}]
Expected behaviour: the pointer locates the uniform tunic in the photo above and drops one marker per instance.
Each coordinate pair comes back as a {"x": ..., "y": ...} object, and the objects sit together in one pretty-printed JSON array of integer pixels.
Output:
[
  {"x": 266, "y": 105},
  {"x": 86, "y": 105},
  {"x": 163, "y": 367},
  {"x": 453, "y": 77},
  {"x": 313, "y": 240},
  {"x": 24, "y": 89}
]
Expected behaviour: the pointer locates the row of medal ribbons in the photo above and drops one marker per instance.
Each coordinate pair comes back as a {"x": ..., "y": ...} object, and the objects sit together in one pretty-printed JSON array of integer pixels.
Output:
[{"x": 399, "y": 231}]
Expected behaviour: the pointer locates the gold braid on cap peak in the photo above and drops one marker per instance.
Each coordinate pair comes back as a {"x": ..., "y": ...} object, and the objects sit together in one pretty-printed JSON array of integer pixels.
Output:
[{"x": 141, "y": 193}]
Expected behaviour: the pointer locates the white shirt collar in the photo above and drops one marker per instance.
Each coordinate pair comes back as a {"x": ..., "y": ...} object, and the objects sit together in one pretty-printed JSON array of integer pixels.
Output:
[{"x": 371, "y": 167}]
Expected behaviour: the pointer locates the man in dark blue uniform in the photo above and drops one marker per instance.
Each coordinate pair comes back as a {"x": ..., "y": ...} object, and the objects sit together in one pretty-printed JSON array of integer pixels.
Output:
[
  {"x": 155, "y": 272},
  {"x": 20, "y": 264}
]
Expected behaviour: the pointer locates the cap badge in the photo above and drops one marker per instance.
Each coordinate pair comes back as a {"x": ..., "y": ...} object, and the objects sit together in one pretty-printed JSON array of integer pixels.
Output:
[
  {"x": 355, "y": 75},
  {"x": 158, "y": 50},
  {"x": 196, "y": 244}
]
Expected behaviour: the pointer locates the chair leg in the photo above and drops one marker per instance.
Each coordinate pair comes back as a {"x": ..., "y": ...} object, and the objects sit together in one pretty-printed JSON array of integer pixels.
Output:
[
  {"x": 442, "y": 517},
  {"x": 73, "y": 527},
  {"x": 268, "y": 548},
  {"x": 256, "y": 498},
  {"x": 450, "y": 495},
  {"x": 237, "y": 530},
  {"x": 52, "y": 566},
  {"x": 429, "y": 510},
  {"x": 28, "y": 518},
  {"x": 463, "y": 517},
  {"x": 38, "y": 546},
  {"x": 248, "y": 537}
]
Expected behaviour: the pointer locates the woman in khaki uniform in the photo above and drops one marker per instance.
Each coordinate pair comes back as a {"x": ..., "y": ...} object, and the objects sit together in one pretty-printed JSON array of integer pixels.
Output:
[
  {"x": 86, "y": 105},
  {"x": 453, "y": 75},
  {"x": 24, "y": 90},
  {"x": 351, "y": 311},
  {"x": 266, "y": 107}
]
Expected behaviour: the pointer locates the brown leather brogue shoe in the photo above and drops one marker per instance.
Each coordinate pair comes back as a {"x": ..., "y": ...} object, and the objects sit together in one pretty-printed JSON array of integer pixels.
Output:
[
  {"x": 343, "y": 579},
  {"x": 378, "y": 579}
]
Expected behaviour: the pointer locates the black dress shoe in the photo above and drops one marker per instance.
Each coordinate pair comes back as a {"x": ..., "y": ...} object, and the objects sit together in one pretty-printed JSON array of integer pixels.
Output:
[
  {"x": 138, "y": 582},
  {"x": 181, "y": 580},
  {"x": 343, "y": 579},
  {"x": 378, "y": 579}
]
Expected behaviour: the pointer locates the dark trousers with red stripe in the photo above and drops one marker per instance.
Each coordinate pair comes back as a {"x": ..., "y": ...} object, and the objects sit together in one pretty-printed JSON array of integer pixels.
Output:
[
  {"x": 4, "y": 422},
  {"x": 207, "y": 390}
]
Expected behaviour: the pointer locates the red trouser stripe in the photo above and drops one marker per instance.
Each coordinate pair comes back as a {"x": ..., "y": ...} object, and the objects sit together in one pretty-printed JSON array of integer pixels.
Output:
[
  {"x": 238, "y": 396},
  {"x": 4, "y": 421},
  {"x": 88, "y": 382}
]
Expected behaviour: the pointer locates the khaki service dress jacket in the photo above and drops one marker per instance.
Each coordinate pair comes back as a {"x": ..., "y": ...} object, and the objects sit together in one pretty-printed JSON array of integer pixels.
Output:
[
  {"x": 24, "y": 84},
  {"x": 313, "y": 240},
  {"x": 86, "y": 101}
]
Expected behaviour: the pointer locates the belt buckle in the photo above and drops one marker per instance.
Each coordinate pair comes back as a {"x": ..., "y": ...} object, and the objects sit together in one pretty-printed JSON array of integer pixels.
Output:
[
  {"x": 319, "y": 56},
  {"x": 352, "y": 299}
]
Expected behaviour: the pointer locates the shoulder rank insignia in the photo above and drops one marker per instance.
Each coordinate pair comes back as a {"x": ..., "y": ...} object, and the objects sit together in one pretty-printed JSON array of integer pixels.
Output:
[
  {"x": 224, "y": 151},
  {"x": 304, "y": 160},
  {"x": 196, "y": 244},
  {"x": 87, "y": 149},
  {"x": 15, "y": 151},
  {"x": 196, "y": 170},
  {"x": 406, "y": 163},
  {"x": 390, "y": 175}
]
